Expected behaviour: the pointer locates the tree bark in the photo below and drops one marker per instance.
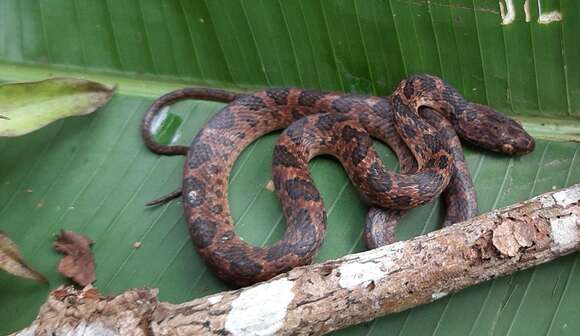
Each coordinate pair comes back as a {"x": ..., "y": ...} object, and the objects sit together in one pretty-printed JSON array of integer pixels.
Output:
[{"x": 317, "y": 299}]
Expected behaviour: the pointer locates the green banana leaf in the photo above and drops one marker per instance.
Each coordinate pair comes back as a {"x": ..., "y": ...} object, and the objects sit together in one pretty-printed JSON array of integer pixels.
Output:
[{"x": 93, "y": 174}]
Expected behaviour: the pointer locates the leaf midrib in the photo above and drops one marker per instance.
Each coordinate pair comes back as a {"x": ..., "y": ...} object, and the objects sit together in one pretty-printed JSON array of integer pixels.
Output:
[{"x": 542, "y": 127}]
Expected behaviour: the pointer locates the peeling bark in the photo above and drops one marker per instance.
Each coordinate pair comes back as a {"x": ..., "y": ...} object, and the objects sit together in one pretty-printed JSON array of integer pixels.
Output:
[{"x": 317, "y": 299}]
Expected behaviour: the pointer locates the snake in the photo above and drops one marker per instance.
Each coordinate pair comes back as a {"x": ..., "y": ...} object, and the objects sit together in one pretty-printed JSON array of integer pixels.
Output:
[{"x": 419, "y": 121}]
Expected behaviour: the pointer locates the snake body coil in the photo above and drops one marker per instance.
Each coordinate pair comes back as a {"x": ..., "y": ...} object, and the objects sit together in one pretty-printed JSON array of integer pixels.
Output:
[{"x": 418, "y": 122}]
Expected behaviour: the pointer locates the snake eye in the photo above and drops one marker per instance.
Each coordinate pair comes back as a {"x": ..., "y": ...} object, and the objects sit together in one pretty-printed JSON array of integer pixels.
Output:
[{"x": 507, "y": 148}]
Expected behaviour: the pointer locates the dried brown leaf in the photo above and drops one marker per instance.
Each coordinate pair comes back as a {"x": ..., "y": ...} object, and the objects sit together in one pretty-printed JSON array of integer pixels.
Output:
[
  {"x": 11, "y": 260},
  {"x": 78, "y": 263}
]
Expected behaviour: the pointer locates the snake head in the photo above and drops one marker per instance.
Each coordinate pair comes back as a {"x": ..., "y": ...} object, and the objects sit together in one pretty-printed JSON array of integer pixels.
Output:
[{"x": 487, "y": 128}]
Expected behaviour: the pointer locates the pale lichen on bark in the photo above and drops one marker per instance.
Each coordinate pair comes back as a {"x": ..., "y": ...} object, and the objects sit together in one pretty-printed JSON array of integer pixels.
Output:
[
  {"x": 321, "y": 298},
  {"x": 261, "y": 309}
]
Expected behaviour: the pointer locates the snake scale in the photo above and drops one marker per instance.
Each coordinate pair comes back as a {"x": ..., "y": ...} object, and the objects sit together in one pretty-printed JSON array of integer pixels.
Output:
[{"x": 420, "y": 122}]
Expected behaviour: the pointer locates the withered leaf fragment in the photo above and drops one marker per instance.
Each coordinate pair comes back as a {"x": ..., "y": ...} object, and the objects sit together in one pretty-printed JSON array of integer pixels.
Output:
[
  {"x": 29, "y": 106},
  {"x": 78, "y": 263},
  {"x": 11, "y": 260}
]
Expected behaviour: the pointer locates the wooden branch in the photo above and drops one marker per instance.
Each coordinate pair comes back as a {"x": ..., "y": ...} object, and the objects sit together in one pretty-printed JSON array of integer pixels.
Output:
[{"x": 360, "y": 287}]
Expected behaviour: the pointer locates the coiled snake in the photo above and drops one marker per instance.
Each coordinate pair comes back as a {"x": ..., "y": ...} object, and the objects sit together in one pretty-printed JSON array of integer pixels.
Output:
[{"x": 418, "y": 122}]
